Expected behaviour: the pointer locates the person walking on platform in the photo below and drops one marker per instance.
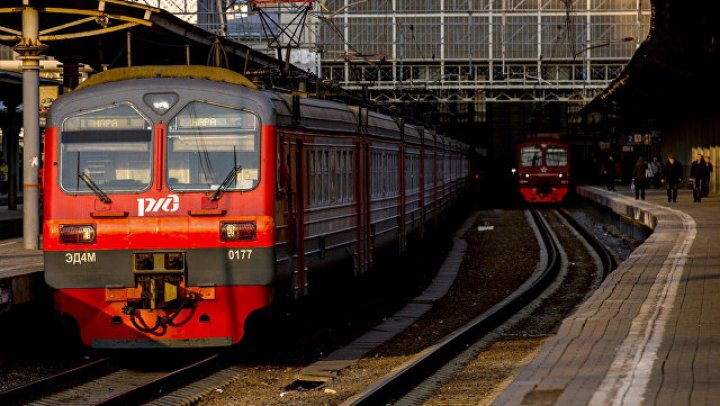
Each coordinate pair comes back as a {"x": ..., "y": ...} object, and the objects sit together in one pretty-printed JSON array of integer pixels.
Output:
[
  {"x": 698, "y": 173},
  {"x": 672, "y": 175},
  {"x": 706, "y": 181},
  {"x": 4, "y": 177},
  {"x": 655, "y": 169},
  {"x": 608, "y": 172},
  {"x": 639, "y": 177}
]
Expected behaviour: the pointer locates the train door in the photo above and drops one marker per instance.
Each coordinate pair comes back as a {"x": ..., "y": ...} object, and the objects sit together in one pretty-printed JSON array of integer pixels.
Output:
[
  {"x": 296, "y": 217},
  {"x": 363, "y": 254}
]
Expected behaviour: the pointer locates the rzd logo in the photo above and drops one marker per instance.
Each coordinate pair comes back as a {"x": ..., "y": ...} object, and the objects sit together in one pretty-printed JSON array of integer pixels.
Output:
[{"x": 149, "y": 205}]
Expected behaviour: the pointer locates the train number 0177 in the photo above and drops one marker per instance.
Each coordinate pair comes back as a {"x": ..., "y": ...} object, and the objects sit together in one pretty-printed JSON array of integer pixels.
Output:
[{"x": 239, "y": 255}]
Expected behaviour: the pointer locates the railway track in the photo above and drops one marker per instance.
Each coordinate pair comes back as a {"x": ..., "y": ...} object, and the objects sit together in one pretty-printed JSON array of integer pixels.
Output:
[
  {"x": 30, "y": 390},
  {"x": 394, "y": 386},
  {"x": 103, "y": 382},
  {"x": 124, "y": 386},
  {"x": 106, "y": 382}
]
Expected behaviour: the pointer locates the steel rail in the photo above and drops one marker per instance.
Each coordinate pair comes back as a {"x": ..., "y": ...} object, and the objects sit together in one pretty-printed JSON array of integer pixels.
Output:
[
  {"x": 159, "y": 385},
  {"x": 608, "y": 260},
  {"x": 87, "y": 383},
  {"x": 396, "y": 385},
  {"x": 35, "y": 389}
]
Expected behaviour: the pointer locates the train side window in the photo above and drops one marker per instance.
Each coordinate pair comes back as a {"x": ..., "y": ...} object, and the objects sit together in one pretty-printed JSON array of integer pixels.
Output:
[
  {"x": 392, "y": 174},
  {"x": 411, "y": 173},
  {"x": 394, "y": 179},
  {"x": 338, "y": 173},
  {"x": 447, "y": 167},
  {"x": 381, "y": 174},
  {"x": 375, "y": 162},
  {"x": 416, "y": 172},
  {"x": 318, "y": 177},
  {"x": 326, "y": 176},
  {"x": 312, "y": 197},
  {"x": 349, "y": 176},
  {"x": 428, "y": 171}
]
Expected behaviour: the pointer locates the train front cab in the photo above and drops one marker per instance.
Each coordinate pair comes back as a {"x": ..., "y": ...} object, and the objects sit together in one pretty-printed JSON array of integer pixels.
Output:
[
  {"x": 543, "y": 171},
  {"x": 159, "y": 227}
]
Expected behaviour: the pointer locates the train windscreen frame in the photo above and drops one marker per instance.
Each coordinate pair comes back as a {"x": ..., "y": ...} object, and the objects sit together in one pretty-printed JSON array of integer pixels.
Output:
[
  {"x": 531, "y": 156},
  {"x": 556, "y": 156},
  {"x": 207, "y": 142},
  {"x": 112, "y": 146}
]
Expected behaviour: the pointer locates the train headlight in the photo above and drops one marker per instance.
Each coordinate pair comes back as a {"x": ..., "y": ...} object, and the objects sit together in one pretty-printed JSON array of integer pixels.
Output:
[
  {"x": 238, "y": 231},
  {"x": 160, "y": 102},
  {"x": 561, "y": 175},
  {"x": 77, "y": 234},
  {"x": 527, "y": 176}
]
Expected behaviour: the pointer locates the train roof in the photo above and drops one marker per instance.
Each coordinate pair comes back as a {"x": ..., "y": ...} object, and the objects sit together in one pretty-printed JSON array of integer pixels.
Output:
[
  {"x": 538, "y": 141},
  {"x": 171, "y": 71},
  {"x": 429, "y": 137},
  {"x": 412, "y": 133},
  {"x": 314, "y": 113},
  {"x": 381, "y": 125},
  {"x": 310, "y": 113}
]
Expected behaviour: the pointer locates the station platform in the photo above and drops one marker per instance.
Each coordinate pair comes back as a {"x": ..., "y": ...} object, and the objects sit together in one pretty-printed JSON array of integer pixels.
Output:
[
  {"x": 21, "y": 274},
  {"x": 650, "y": 334},
  {"x": 21, "y": 270},
  {"x": 10, "y": 222}
]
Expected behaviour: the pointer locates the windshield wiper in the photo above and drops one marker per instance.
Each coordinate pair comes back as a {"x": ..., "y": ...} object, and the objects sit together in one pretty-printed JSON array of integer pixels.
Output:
[
  {"x": 94, "y": 187},
  {"x": 224, "y": 185}
]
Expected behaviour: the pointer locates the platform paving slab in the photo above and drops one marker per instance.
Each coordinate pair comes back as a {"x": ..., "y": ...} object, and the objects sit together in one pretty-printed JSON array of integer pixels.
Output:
[{"x": 650, "y": 334}]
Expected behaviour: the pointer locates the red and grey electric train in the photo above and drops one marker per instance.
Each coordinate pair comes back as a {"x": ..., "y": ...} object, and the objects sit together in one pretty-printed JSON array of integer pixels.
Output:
[
  {"x": 543, "y": 170},
  {"x": 178, "y": 199}
]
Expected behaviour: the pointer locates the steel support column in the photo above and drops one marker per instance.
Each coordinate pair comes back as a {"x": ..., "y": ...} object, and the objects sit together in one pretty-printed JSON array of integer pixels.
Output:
[{"x": 29, "y": 50}]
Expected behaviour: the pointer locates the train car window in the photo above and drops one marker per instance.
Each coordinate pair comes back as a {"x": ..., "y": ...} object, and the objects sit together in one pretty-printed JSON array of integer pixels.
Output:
[
  {"x": 375, "y": 162},
  {"x": 530, "y": 156},
  {"x": 329, "y": 176},
  {"x": 312, "y": 198},
  {"x": 206, "y": 142},
  {"x": 349, "y": 184},
  {"x": 412, "y": 175},
  {"x": 394, "y": 184},
  {"x": 337, "y": 170},
  {"x": 428, "y": 171},
  {"x": 556, "y": 156},
  {"x": 316, "y": 177},
  {"x": 327, "y": 179},
  {"x": 112, "y": 146}
]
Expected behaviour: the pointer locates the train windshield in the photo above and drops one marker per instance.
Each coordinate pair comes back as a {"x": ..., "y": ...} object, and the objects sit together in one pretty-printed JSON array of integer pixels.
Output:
[
  {"x": 207, "y": 142},
  {"x": 556, "y": 156},
  {"x": 530, "y": 156},
  {"x": 112, "y": 147}
]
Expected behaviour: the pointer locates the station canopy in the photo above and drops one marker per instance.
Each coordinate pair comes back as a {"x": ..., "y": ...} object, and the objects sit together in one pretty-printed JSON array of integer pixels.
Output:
[
  {"x": 99, "y": 33},
  {"x": 673, "y": 73}
]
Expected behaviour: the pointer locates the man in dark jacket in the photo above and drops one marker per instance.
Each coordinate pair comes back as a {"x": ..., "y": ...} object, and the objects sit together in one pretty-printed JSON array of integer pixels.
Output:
[
  {"x": 672, "y": 175},
  {"x": 640, "y": 177},
  {"x": 706, "y": 182},
  {"x": 698, "y": 173},
  {"x": 608, "y": 172}
]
